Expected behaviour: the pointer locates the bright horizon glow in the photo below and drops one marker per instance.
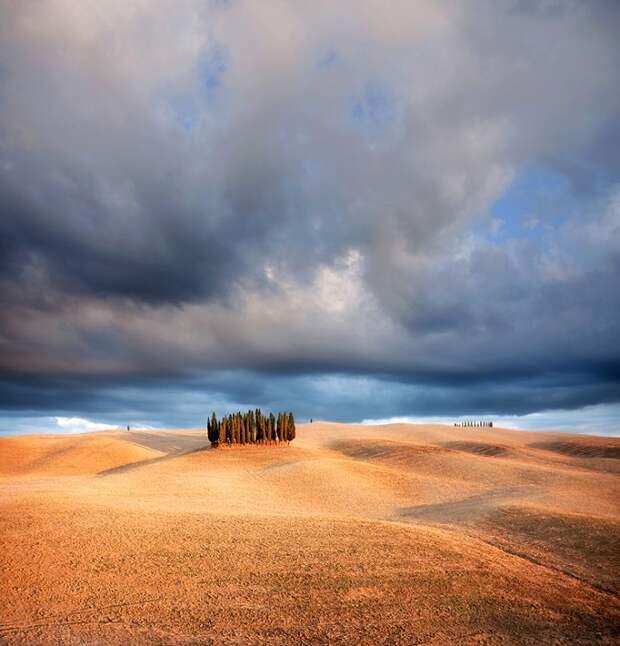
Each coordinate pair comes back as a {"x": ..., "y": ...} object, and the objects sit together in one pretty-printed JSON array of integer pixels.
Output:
[
  {"x": 601, "y": 419},
  {"x": 82, "y": 425},
  {"x": 593, "y": 420}
]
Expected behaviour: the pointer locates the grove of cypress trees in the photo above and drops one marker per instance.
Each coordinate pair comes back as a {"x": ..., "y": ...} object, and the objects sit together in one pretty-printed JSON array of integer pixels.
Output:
[{"x": 252, "y": 427}]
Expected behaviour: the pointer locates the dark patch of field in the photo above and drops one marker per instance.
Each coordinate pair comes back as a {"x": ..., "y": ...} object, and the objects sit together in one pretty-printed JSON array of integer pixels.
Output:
[
  {"x": 583, "y": 546},
  {"x": 395, "y": 452},
  {"x": 466, "y": 509},
  {"x": 478, "y": 448},
  {"x": 580, "y": 449},
  {"x": 168, "y": 443}
]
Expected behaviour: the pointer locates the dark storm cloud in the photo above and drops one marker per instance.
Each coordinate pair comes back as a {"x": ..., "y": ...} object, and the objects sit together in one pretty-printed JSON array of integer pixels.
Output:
[
  {"x": 185, "y": 402},
  {"x": 293, "y": 192}
]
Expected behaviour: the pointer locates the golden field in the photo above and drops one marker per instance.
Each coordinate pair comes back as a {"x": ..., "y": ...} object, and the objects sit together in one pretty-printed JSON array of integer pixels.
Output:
[{"x": 398, "y": 534}]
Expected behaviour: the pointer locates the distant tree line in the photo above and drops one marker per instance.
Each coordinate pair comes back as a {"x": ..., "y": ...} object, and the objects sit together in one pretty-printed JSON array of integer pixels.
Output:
[
  {"x": 474, "y": 424},
  {"x": 251, "y": 428}
]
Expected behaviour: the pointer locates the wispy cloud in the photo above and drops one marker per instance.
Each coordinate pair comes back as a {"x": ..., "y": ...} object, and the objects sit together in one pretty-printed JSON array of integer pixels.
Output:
[{"x": 81, "y": 425}]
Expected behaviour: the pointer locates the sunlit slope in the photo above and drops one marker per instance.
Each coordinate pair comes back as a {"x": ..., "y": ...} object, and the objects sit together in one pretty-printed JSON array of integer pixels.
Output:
[
  {"x": 84, "y": 454},
  {"x": 352, "y": 534},
  {"x": 382, "y": 472}
]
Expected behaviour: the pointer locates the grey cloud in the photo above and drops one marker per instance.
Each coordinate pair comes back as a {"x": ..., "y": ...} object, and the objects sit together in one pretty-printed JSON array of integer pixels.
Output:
[{"x": 181, "y": 187}]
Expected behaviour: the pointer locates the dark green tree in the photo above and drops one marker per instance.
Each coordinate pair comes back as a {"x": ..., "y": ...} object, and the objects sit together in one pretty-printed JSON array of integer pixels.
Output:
[
  {"x": 290, "y": 428},
  {"x": 212, "y": 430},
  {"x": 235, "y": 426},
  {"x": 229, "y": 430},
  {"x": 252, "y": 427},
  {"x": 221, "y": 431}
]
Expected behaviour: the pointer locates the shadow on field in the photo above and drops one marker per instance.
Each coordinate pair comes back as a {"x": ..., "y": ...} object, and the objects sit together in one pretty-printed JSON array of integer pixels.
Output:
[
  {"x": 172, "y": 445},
  {"x": 580, "y": 449},
  {"x": 478, "y": 448},
  {"x": 469, "y": 508}
]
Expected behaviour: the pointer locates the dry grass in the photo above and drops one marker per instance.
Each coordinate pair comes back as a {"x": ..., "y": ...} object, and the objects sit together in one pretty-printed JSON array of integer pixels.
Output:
[{"x": 352, "y": 535}]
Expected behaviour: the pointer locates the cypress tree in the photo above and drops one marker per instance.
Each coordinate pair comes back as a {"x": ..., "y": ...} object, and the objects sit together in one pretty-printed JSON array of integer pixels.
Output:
[
  {"x": 221, "y": 432},
  {"x": 212, "y": 429},
  {"x": 259, "y": 436},
  {"x": 252, "y": 426},
  {"x": 260, "y": 422},
  {"x": 290, "y": 430},
  {"x": 229, "y": 430}
]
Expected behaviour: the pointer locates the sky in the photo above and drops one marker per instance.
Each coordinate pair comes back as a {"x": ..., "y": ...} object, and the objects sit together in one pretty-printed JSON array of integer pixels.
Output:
[{"x": 352, "y": 210}]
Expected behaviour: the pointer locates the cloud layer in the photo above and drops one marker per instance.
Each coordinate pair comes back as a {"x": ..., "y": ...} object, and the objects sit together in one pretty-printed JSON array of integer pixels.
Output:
[{"x": 413, "y": 211}]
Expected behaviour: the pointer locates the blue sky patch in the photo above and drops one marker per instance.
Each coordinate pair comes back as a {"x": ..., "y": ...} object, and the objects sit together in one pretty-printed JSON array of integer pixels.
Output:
[
  {"x": 375, "y": 110},
  {"x": 214, "y": 66},
  {"x": 539, "y": 198}
]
